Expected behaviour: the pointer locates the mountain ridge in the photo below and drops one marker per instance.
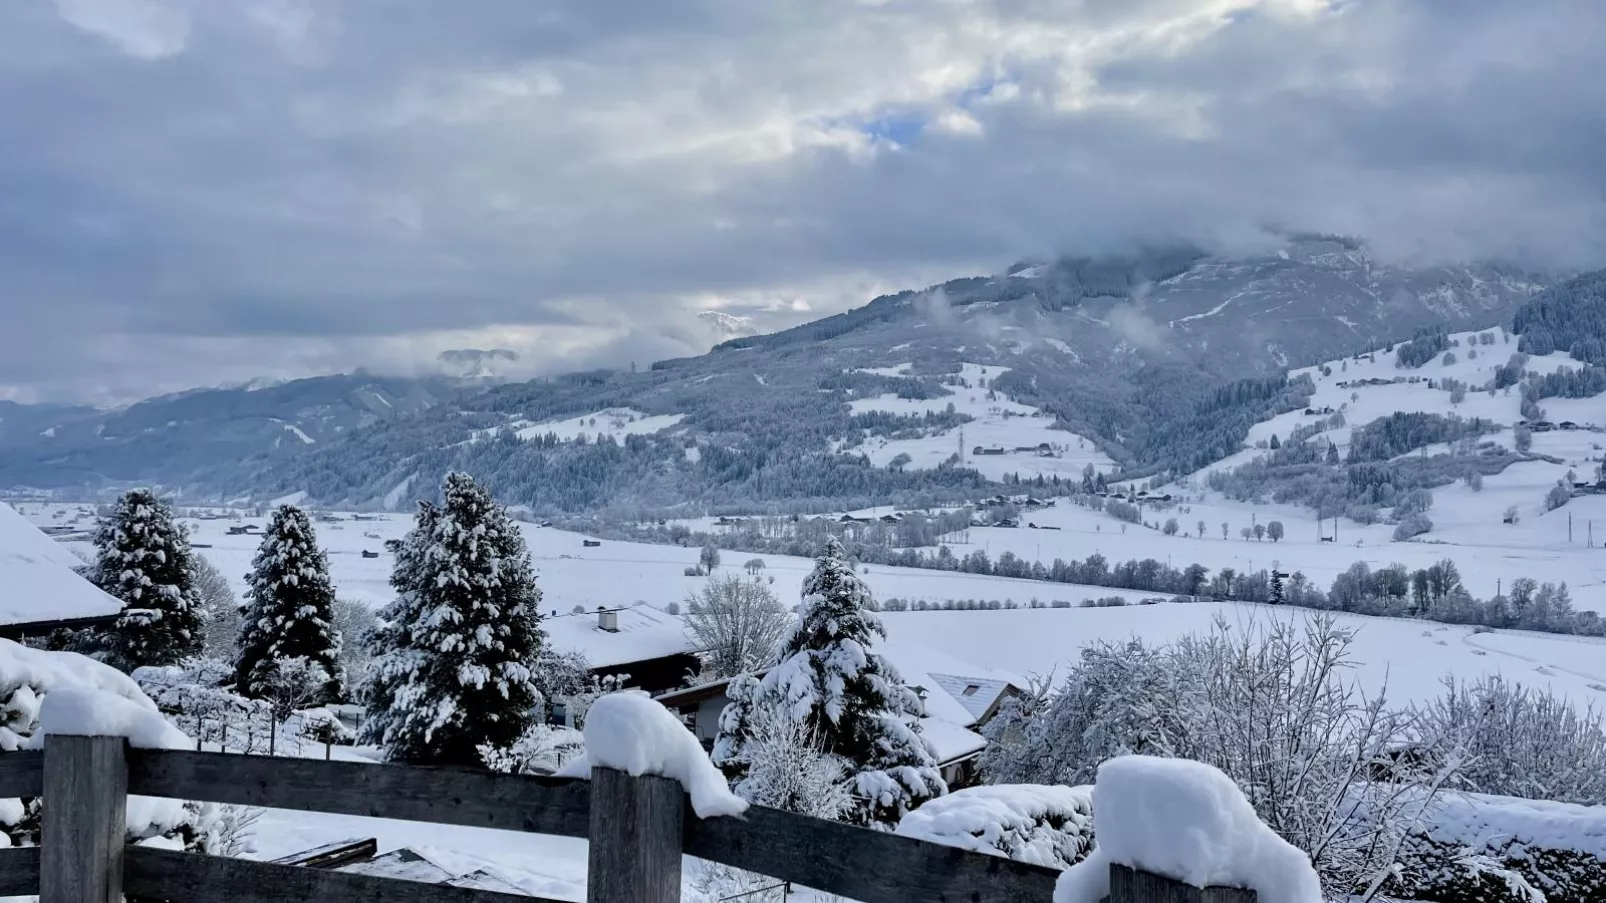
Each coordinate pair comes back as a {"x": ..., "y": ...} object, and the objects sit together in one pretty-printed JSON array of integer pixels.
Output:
[{"x": 1115, "y": 350}]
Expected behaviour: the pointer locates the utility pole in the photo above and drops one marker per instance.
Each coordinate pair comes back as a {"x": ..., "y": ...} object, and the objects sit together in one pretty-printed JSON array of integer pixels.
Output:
[{"x": 1569, "y": 526}]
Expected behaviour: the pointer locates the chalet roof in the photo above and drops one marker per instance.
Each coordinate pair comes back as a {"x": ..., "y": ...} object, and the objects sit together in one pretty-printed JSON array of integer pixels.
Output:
[
  {"x": 644, "y": 633},
  {"x": 37, "y": 580}
]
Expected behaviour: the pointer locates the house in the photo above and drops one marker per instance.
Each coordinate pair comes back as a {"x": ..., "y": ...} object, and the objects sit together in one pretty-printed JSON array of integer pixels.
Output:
[
  {"x": 854, "y": 519},
  {"x": 590, "y": 543},
  {"x": 891, "y": 519},
  {"x": 43, "y": 590},
  {"x": 1568, "y": 425},
  {"x": 368, "y": 554},
  {"x": 246, "y": 530},
  {"x": 362, "y": 857},
  {"x": 994, "y": 450},
  {"x": 649, "y": 645},
  {"x": 960, "y": 699}
]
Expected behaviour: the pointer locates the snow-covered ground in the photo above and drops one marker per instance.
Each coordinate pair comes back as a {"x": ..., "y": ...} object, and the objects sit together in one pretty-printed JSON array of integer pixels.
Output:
[
  {"x": 999, "y": 423},
  {"x": 615, "y": 423},
  {"x": 1407, "y": 659},
  {"x": 1410, "y": 657}
]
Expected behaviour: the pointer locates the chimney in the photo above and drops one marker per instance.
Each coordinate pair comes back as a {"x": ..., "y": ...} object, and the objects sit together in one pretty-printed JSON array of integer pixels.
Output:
[{"x": 608, "y": 620}]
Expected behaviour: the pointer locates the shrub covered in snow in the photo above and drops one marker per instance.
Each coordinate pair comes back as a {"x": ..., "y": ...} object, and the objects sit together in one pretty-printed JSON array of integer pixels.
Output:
[
  {"x": 289, "y": 613},
  {"x": 1473, "y": 848},
  {"x": 1271, "y": 705},
  {"x": 1044, "y": 825},
  {"x": 1523, "y": 742},
  {"x": 65, "y": 692},
  {"x": 143, "y": 558},
  {"x": 455, "y": 659},
  {"x": 848, "y": 697},
  {"x": 1189, "y": 822}
]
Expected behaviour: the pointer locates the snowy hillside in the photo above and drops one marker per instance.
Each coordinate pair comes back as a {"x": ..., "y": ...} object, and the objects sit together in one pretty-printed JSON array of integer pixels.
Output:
[{"x": 1003, "y": 436}]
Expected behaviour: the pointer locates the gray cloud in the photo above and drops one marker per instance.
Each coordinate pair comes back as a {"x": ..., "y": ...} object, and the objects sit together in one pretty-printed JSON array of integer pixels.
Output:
[{"x": 197, "y": 192}]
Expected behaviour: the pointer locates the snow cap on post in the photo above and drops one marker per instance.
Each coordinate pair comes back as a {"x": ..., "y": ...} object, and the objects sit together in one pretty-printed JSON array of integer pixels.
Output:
[
  {"x": 630, "y": 732},
  {"x": 89, "y": 712},
  {"x": 1186, "y": 821}
]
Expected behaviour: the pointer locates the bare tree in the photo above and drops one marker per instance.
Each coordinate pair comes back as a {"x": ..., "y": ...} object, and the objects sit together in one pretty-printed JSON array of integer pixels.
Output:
[
  {"x": 292, "y": 685},
  {"x": 708, "y": 559},
  {"x": 738, "y": 622},
  {"x": 221, "y": 607},
  {"x": 354, "y": 621}
]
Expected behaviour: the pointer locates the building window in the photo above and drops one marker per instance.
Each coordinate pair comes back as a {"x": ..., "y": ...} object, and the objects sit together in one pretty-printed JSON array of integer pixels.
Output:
[{"x": 971, "y": 690}]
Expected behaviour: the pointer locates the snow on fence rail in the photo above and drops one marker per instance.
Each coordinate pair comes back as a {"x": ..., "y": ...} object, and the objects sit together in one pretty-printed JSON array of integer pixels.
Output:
[{"x": 638, "y": 827}]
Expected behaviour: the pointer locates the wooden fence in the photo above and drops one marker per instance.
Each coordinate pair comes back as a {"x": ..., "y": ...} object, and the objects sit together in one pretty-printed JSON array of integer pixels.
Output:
[{"x": 638, "y": 829}]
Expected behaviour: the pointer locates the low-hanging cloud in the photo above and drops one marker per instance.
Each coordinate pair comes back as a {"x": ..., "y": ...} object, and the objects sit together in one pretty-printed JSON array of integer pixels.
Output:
[{"x": 201, "y": 192}]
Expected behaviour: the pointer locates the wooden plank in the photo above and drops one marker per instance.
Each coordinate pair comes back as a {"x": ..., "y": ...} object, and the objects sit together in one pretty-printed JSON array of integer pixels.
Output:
[
  {"x": 634, "y": 850},
  {"x": 1128, "y": 885},
  {"x": 447, "y": 796},
  {"x": 192, "y": 878},
  {"x": 861, "y": 864},
  {"x": 19, "y": 872},
  {"x": 86, "y": 802},
  {"x": 22, "y": 773}
]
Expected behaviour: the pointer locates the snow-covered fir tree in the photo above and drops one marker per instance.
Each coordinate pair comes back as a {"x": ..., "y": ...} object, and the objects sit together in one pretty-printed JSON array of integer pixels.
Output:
[
  {"x": 289, "y": 610},
  {"x": 142, "y": 557},
  {"x": 455, "y": 659},
  {"x": 851, "y": 701}
]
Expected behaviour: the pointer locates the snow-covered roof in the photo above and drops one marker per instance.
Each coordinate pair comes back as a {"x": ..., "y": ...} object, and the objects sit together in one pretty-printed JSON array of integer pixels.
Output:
[
  {"x": 975, "y": 694},
  {"x": 643, "y": 633},
  {"x": 37, "y": 582},
  {"x": 949, "y": 742},
  {"x": 947, "y": 680}
]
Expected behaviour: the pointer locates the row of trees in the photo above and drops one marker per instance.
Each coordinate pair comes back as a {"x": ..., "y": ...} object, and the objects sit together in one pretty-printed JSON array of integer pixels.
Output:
[{"x": 459, "y": 662}]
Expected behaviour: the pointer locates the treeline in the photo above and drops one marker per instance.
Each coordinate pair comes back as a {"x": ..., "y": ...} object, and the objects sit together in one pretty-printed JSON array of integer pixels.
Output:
[
  {"x": 1424, "y": 346},
  {"x": 1406, "y": 431},
  {"x": 1569, "y": 317},
  {"x": 1435, "y": 593},
  {"x": 1358, "y": 491}
]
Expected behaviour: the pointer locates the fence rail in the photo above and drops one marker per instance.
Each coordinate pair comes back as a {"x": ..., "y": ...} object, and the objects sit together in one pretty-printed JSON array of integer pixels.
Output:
[{"x": 638, "y": 829}]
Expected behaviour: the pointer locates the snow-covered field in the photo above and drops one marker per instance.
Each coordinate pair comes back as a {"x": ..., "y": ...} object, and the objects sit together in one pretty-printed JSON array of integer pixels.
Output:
[
  {"x": 1408, "y": 659},
  {"x": 999, "y": 423}
]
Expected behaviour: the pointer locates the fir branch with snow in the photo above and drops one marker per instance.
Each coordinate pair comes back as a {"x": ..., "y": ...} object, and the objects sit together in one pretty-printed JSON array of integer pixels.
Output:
[
  {"x": 142, "y": 557},
  {"x": 455, "y": 663},
  {"x": 289, "y": 611},
  {"x": 852, "y": 700}
]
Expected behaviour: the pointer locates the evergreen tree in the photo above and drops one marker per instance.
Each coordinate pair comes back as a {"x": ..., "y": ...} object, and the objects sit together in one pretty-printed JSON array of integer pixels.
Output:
[
  {"x": 456, "y": 658},
  {"x": 143, "y": 558},
  {"x": 848, "y": 697},
  {"x": 289, "y": 612}
]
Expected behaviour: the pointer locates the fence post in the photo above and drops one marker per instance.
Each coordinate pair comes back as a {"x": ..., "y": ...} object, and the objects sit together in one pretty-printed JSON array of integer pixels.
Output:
[
  {"x": 635, "y": 838},
  {"x": 1132, "y": 886},
  {"x": 85, "y": 806}
]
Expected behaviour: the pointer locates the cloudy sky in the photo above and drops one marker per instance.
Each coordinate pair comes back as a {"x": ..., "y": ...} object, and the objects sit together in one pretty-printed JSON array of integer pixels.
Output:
[{"x": 205, "y": 191}]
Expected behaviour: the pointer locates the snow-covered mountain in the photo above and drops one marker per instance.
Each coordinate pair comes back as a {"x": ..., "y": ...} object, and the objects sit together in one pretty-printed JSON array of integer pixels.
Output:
[
  {"x": 726, "y": 326},
  {"x": 1156, "y": 363},
  {"x": 477, "y": 365}
]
